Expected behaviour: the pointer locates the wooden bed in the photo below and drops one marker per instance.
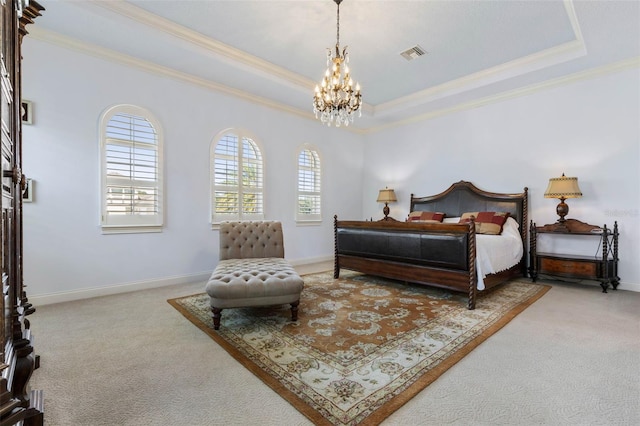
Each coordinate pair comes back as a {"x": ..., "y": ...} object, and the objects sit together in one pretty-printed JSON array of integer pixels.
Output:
[{"x": 436, "y": 254}]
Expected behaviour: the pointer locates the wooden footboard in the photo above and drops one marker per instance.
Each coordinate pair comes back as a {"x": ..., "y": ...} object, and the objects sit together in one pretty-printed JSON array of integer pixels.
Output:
[{"x": 439, "y": 255}]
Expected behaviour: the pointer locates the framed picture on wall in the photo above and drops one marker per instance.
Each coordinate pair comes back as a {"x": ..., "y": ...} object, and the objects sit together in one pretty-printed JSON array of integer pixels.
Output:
[
  {"x": 27, "y": 112},
  {"x": 27, "y": 194}
]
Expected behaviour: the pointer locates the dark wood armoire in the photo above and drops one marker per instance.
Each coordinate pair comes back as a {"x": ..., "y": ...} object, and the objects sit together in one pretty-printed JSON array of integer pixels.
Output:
[{"x": 18, "y": 403}]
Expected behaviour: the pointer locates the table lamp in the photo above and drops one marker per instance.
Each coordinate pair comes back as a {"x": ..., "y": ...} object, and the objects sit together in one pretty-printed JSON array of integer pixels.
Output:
[
  {"x": 563, "y": 188},
  {"x": 386, "y": 196}
]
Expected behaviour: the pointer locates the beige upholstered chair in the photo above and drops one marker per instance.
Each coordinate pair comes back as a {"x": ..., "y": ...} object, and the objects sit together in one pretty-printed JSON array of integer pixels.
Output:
[{"x": 252, "y": 270}]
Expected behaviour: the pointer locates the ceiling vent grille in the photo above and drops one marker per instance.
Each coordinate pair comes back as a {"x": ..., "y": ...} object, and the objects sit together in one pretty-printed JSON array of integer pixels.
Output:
[{"x": 412, "y": 53}]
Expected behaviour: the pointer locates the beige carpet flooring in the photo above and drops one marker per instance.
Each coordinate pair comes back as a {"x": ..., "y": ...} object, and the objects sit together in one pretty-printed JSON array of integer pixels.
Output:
[{"x": 572, "y": 358}]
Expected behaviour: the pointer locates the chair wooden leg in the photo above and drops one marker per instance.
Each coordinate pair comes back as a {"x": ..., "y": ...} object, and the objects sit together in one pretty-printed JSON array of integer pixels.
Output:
[
  {"x": 294, "y": 310},
  {"x": 216, "y": 318}
]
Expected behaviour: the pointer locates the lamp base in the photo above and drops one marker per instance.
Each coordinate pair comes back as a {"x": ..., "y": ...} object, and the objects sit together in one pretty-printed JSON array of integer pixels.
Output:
[
  {"x": 562, "y": 209},
  {"x": 386, "y": 217},
  {"x": 386, "y": 210}
]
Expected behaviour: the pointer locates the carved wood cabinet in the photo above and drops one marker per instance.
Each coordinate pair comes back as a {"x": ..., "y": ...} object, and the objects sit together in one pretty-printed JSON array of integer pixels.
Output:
[
  {"x": 602, "y": 267},
  {"x": 18, "y": 403}
]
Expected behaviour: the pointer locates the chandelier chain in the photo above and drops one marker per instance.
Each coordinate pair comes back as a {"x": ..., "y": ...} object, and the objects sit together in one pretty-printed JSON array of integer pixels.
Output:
[{"x": 338, "y": 26}]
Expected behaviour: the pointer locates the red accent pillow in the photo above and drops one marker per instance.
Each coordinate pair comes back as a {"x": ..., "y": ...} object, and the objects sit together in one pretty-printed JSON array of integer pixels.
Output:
[
  {"x": 429, "y": 217},
  {"x": 486, "y": 222}
]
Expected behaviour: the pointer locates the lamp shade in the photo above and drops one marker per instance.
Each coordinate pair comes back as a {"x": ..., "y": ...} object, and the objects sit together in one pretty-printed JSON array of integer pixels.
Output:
[
  {"x": 563, "y": 187},
  {"x": 386, "y": 196}
]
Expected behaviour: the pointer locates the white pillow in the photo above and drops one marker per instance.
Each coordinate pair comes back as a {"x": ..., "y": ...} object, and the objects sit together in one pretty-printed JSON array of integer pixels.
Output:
[
  {"x": 451, "y": 220},
  {"x": 511, "y": 225}
]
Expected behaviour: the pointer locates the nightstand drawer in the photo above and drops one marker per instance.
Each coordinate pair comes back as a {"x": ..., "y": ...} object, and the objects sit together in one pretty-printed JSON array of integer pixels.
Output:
[{"x": 568, "y": 267}]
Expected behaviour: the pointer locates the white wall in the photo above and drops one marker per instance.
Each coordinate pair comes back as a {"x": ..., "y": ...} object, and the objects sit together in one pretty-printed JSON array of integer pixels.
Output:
[
  {"x": 64, "y": 250},
  {"x": 589, "y": 129}
]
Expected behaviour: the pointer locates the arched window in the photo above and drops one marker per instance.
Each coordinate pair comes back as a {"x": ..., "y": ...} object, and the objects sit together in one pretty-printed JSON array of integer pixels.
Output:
[
  {"x": 131, "y": 171},
  {"x": 308, "y": 189},
  {"x": 236, "y": 177}
]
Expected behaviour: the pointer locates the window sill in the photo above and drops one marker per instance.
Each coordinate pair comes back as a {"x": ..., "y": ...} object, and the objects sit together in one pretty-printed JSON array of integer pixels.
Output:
[
  {"x": 308, "y": 222},
  {"x": 107, "y": 230}
]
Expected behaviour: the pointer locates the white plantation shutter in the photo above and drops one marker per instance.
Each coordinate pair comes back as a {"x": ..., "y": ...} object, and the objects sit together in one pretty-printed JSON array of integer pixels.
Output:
[
  {"x": 308, "y": 189},
  {"x": 226, "y": 183},
  {"x": 132, "y": 191},
  {"x": 237, "y": 178}
]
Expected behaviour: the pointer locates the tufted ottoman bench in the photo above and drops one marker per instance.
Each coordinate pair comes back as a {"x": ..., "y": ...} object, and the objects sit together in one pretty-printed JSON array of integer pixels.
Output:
[{"x": 252, "y": 270}]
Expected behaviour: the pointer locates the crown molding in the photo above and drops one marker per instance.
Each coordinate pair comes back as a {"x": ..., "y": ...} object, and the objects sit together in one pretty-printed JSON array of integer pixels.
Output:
[
  {"x": 548, "y": 57},
  {"x": 208, "y": 45},
  {"x": 536, "y": 61},
  {"x": 552, "y": 56},
  {"x": 40, "y": 34},
  {"x": 47, "y": 36},
  {"x": 52, "y": 37},
  {"x": 522, "y": 91}
]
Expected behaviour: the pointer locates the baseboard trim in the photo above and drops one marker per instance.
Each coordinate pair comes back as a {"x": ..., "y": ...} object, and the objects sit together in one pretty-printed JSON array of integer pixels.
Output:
[
  {"x": 621, "y": 286},
  {"x": 302, "y": 266},
  {"x": 86, "y": 293},
  {"x": 313, "y": 265},
  {"x": 311, "y": 260},
  {"x": 629, "y": 287}
]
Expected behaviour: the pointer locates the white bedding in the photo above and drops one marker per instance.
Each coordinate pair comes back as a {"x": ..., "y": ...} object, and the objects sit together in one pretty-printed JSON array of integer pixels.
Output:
[{"x": 495, "y": 253}]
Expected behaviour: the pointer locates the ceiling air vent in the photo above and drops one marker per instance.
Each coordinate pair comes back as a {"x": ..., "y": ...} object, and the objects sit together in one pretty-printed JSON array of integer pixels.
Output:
[{"x": 412, "y": 53}]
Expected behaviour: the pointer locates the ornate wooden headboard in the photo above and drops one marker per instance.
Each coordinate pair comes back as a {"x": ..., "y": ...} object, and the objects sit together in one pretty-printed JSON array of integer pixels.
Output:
[{"x": 464, "y": 197}]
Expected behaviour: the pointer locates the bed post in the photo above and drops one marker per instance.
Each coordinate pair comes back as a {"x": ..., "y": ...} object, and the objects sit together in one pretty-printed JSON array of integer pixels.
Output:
[
  {"x": 336, "y": 264},
  {"x": 473, "y": 276},
  {"x": 532, "y": 249},
  {"x": 523, "y": 231}
]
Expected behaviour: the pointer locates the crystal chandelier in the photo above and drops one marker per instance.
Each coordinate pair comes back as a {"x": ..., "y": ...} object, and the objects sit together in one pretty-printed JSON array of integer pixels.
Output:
[{"x": 335, "y": 100}]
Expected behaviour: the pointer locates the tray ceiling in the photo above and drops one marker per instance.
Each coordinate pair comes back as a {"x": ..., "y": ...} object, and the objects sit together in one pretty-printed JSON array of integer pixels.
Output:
[{"x": 274, "y": 52}]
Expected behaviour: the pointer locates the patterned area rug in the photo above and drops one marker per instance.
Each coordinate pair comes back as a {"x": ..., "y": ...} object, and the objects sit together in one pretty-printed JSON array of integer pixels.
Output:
[{"x": 362, "y": 346}]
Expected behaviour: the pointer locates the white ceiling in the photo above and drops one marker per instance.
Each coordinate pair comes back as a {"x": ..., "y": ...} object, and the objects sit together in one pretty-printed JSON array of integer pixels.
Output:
[{"x": 274, "y": 52}]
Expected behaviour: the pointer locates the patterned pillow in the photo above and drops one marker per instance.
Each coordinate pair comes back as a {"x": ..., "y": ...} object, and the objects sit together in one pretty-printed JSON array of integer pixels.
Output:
[
  {"x": 486, "y": 222},
  {"x": 428, "y": 217}
]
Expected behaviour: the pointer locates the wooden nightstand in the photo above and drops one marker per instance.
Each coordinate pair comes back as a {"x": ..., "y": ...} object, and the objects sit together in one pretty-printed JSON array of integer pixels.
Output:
[{"x": 602, "y": 268}]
